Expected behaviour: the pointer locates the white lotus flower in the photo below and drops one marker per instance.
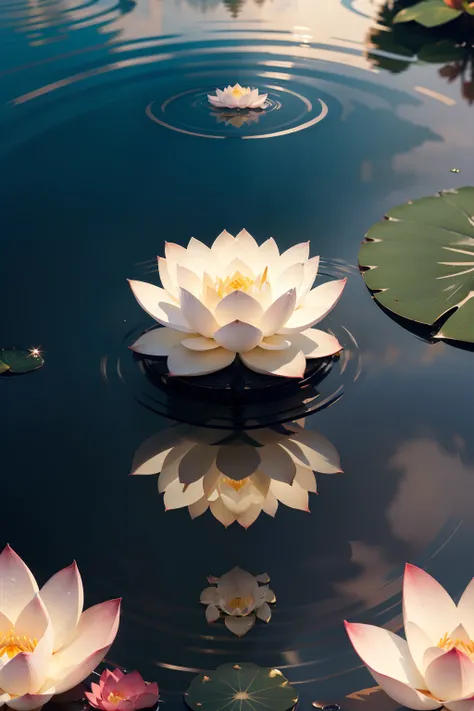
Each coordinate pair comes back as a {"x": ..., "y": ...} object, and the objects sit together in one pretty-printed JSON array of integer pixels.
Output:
[
  {"x": 238, "y": 97},
  {"x": 48, "y": 644},
  {"x": 435, "y": 665},
  {"x": 240, "y": 598},
  {"x": 237, "y": 297},
  {"x": 240, "y": 478}
]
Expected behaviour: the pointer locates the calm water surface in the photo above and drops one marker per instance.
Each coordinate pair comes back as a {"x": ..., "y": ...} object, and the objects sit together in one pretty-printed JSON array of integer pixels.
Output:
[{"x": 107, "y": 149}]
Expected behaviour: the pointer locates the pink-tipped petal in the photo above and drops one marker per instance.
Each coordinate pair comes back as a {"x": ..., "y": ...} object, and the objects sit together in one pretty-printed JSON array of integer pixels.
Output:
[
  {"x": 297, "y": 253},
  {"x": 292, "y": 496},
  {"x": 159, "y": 305},
  {"x": 314, "y": 450},
  {"x": 289, "y": 363},
  {"x": 223, "y": 246},
  {"x": 18, "y": 583},
  {"x": 310, "y": 272},
  {"x": 427, "y": 604},
  {"x": 27, "y": 671},
  {"x": 182, "y": 361},
  {"x": 63, "y": 596},
  {"x": 315, "y": 343},
  {"x": 198, "y": 508},
  {"x": 247, "y": 245},
  {"x": 385, "y": 653},
  {"x": 151, "y": 454},
  {"x": 31, "y": 702},
  {"x": 238, "y": 306},
  {"x": 177, "y": 495},
  {"x": 221, "y": 513},
  {"x": 450, "y": 676},
  {"x": 250, "y": 515},
  {"x": 238, "y": 337},
  {"x": 157, "y": 342},
  {"x": 212, "y": 613},
  {"x": 276, "y": 463},
  {"x": 95, "y": 633},
  {"x": 167, "y": 282},
  {"x": 404, "y": 694},
  {"x": 319, "y": 302},
  {"x": 276, "y": 316},
  {"x": 466, "y": 609},
  {"x": 419, "y": 643},
  {"x": 131, "y": 684},
  {"x": 461, "y": 704}
]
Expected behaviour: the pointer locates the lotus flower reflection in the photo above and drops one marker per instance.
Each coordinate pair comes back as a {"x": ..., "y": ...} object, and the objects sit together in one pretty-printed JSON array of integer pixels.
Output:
[
  {"x": 435, "y": 665},
  {"x": 235, "y": 476},
  {"x": 117, "y": 691},
  {"x": 237, "y": 297},
  {"x": 238, "y": 97},
  {"x": 240, "y": 598},
  {"x": 48, "y": 645},
  {"x": 237, "y": 119}
]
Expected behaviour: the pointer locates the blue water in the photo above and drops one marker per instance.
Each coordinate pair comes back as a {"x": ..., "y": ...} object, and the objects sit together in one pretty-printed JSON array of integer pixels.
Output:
[{"x": 107, "y": 149}]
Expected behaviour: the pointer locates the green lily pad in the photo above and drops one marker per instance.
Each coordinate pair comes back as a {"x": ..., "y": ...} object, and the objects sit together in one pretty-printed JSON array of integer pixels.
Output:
[
  {"x": 241, "y": 687},
  {"x": 419, "y": 261},
  {"x": 429, "y": 13},
  {"x": 19, "y": 360}
]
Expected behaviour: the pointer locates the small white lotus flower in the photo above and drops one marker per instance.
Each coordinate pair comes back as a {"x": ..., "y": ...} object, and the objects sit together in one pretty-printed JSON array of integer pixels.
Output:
[
  {"x": 236, "y": 480},
  {"x": 238, "y": 97},
  {"x": 434, "y": 667},
  {"x": 237, "y": 297},
  {"x": 240, "y": 598}
]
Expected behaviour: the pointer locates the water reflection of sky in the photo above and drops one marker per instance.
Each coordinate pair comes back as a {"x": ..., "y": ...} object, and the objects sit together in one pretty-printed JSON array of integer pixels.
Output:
[{"x": 93, "y": 188}]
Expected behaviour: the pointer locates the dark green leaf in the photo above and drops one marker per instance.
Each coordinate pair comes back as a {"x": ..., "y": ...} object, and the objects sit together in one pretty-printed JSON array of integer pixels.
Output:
[
  {"x": 241, "y": 687},
  {"x": 420, "y": 262},
  {"x": 19, "y": 360},
  {"x": 4, "y": 367}
]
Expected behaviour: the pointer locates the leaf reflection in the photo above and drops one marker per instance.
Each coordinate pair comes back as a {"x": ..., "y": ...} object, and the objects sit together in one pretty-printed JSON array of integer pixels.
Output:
[{"x": 234, "y": 474}]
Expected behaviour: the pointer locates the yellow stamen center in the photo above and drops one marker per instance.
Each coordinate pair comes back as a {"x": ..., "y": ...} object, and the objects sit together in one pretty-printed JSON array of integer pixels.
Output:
[
  {"x": 236, "y": 485},
  {"x": 447, "y": 644},
  {"x": 239, "y": 282},
  {"x": 238, "y": 91},
  {"x": 240, "y": 603},
  {"x": 11, "y": 644},
  {"x": 114, "y": 698}
]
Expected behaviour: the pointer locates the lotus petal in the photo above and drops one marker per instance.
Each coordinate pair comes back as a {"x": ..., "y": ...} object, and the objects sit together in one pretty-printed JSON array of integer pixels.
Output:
[
  {"x": 18, "y": 583},
  {"x": 276, "y": 463},
  {"x": 314, "y": 450},
  {"x": 270, "y": 504},
  {"x": 188, "y": 280},
  {"x": 174, "y": 253},
  {"x": 177, "y": 495},
  {"x": 315, "y": 307},
  {"x": 222, "y": 246},
  {"x": 157, "y": 342},
  {"x": 262, "y": 578},
  {"x": 221, "y": 513},
  {"x": 268, "y": 253},
  {"x": 238, "y": 337},
  {"x": 316, "y": 344},
  {"x": 247, "y": 245},
  {"x": 427, "y": 604},
  {"x": 197, "y": 315},
  {"x": 305, "y": 478},
  {"x": 240, "y": 625},
  {"x": 212, "y": 613},
  {"x": 420, "y": 646},
  {"x": 275, "y": 343},
  {"x": 26, "y": 672},
  {"x": 31, "y": 702},
  {"x": 150, "y": 456},
  {"x": 215, "y": 101},
  {"x": 198, "y": 508},
  {"x": 199, "y": 343},
  {"x": 384, "y": 653},
  {"x": 292, "y": 496},
  {"x": 63, "y": 596},
  {"x": 277, "y": 315},
  {"x": 209, "y": 596},
  {"x": 237, "y": 461},
  {"x": 289, "y": 363},
  {"x": 182, "y": 361},
  {"x": 460, "y": 705},
  {"x": 250, "y": 515},
  {"x": 159, "y": 305},
  {"x": 404, "y": 694},
  {"x": 238, "y": 306},
  {"x": 169, "y": 285},
  {"x": 95, "y": 633},
  {"x": 291, "y": 278},
  {"x": 297, "y": 253},
  {"x": 466, "y": 609},
  {"x": 310, "y": 273},
  {"x": 450, "y": 676},
  {"x": 260, "y": 102},
  {"x": 6, "y": 624},
  {"x": 196, "y": 463},
  {"x": 264, "y": 613}
]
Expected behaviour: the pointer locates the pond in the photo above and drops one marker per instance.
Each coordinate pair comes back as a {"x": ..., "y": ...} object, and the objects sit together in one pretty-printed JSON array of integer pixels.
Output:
[{"x": 108, "y": 149}]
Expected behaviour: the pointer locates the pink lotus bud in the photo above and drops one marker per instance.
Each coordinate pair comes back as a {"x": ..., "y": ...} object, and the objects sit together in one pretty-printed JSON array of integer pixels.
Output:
[{"x": 117, "y": 691}]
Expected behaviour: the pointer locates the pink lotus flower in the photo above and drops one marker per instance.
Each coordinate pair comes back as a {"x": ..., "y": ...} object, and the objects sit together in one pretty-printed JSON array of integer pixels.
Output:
[
  {"x": 117, "y": 691},
  {"x": 434, "y": 667}
]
